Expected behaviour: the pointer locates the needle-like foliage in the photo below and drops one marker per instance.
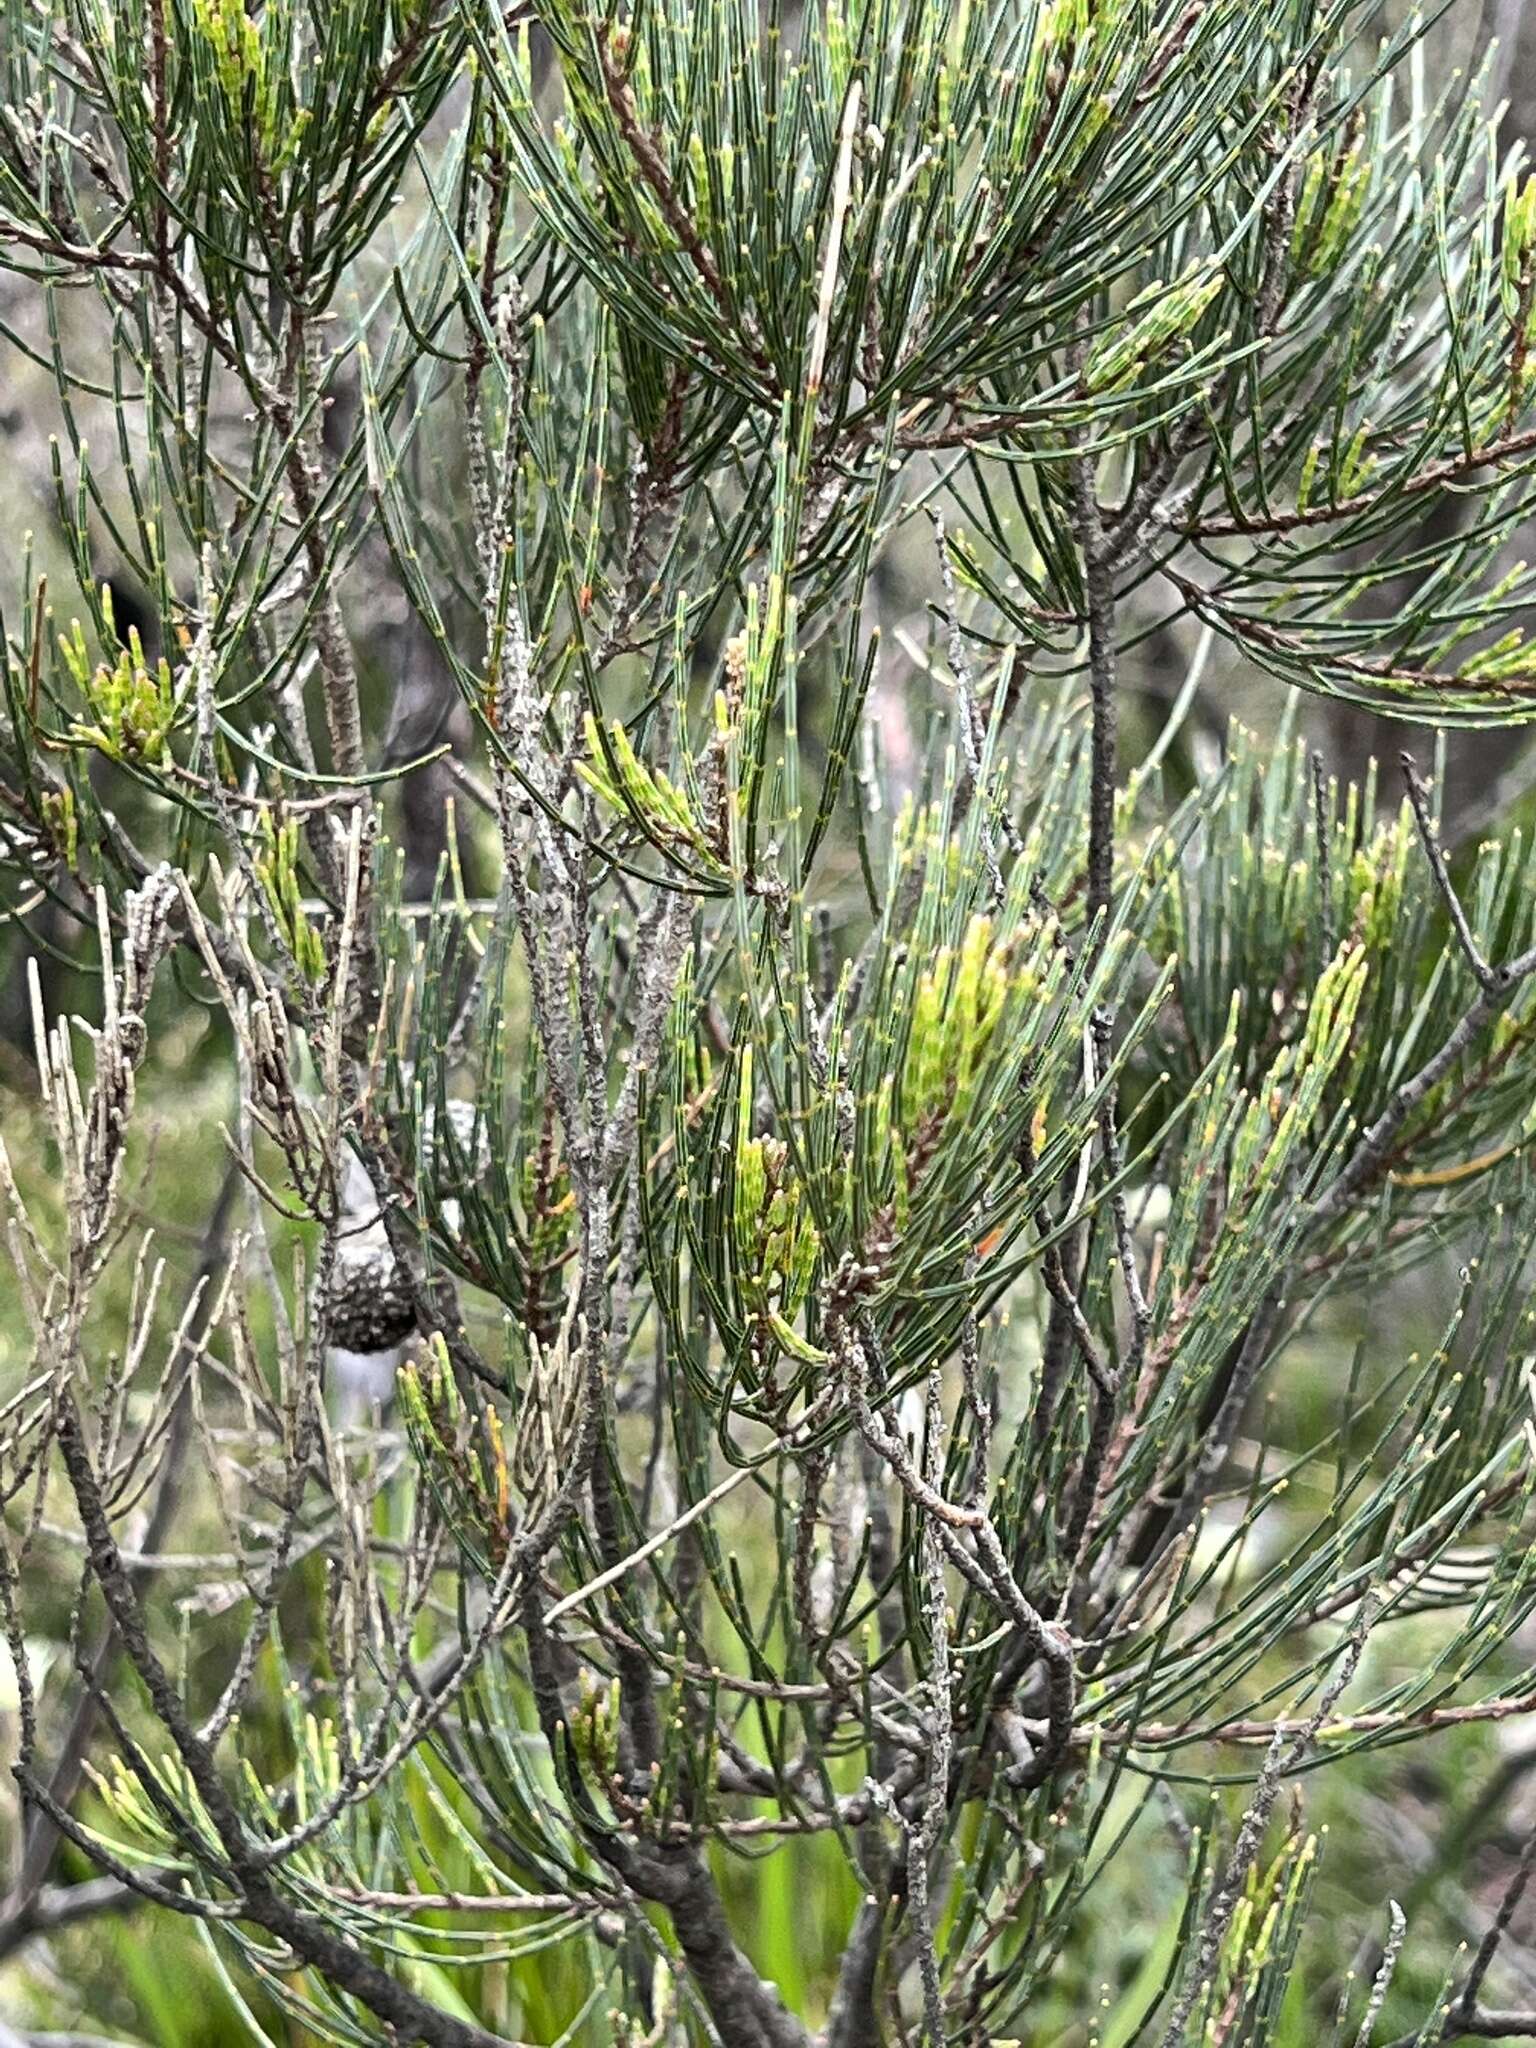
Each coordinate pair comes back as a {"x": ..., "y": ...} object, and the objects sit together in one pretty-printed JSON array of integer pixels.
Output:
[{"x": 842, "y": 1158}]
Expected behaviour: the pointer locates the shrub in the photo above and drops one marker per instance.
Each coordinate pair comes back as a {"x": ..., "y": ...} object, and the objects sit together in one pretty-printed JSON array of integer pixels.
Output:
[{"x": 836, "y": 1217}]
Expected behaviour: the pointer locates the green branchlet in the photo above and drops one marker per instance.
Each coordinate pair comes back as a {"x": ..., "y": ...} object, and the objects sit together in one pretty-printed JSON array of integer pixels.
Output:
[
  {"x": 246, "y": 74},
  {"x": 63, "y": 823},
  {"x": 276, "y": 861},
  {"x": 955, "y": 1011},
  {"x": 594, "y": 1727},
  {"x": 1333, "y": 193},
  {"x": 777, "y": 1244},
  {"x": 616, "y": 773},
  {"x": 1159, "y": 316},
  {"x": 131, "y": 705},
  {"x": 1518, "y": 246}
]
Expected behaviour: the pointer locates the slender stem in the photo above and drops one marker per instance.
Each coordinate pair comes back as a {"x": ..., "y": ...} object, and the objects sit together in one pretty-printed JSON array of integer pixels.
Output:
[
  {"x": 19, "y": 1911},
  {"x": 1099, "y": 585}
]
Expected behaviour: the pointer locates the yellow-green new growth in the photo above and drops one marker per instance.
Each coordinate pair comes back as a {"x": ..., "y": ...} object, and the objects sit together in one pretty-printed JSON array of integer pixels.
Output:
[
  {"x": 1519, "y": 244},
  {"x": 1377, "y": 877},
  {"x": 1167, "y": 313},
  {"x": 776, "y": 1241},
  {"x": 1331, "y": 1012},
  {"x": 277, "y": 869},
  {"x": 132, "y": 706},
  {"x": 595, "y": 1727},
  {"x": 242, "y": 66},
  {"x": 59, "y": 815},
  {"x": 1508, "y": 656},
  {"x": 954, "y": 1013},
  {"x": 235, "y": 41},
  {"x": 1355, "y": 465},
  {"x": 643, "y": 792},
  {"x": 1284, "y": 1104},
  {"x": 1308, "y": 476},
  {"x": 548, "y": 1211},
  {"x": 1066, "y": 24},
  {"x": 1333, "y": 194}
]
